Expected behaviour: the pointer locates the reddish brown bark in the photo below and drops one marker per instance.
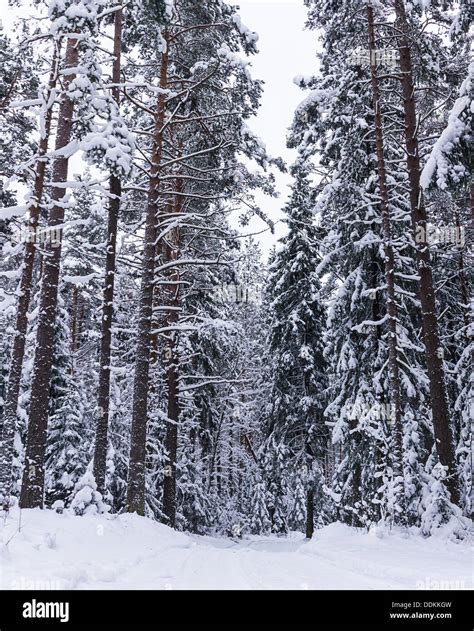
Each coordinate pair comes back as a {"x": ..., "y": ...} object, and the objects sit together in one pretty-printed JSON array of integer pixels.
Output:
[
  {"x": 33, "y": 475},
  {"x": 171, "y": 440},
  {"x": 136, "y": 473},
  {"x": 21, "y": 324},
  {"x": 389, "y": 262},
  {"x": 103, "y": 400},
  {"x": 434, "y": 355}
]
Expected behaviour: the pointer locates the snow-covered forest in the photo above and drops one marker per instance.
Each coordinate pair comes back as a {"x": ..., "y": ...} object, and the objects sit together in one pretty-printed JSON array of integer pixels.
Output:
[{"x": 152, "y": 360}]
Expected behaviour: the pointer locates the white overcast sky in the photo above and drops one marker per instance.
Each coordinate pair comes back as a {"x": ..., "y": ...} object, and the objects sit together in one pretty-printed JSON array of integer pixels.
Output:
[{"x": 285, "y": 50}]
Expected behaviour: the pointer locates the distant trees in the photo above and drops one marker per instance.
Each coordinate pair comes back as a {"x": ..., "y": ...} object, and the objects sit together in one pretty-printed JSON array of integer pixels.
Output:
[{"x": 296, "y": 419}]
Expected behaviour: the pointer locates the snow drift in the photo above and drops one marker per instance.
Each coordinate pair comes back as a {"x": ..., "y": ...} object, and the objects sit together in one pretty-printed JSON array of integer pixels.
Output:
[{"x": 41, "y": 549}]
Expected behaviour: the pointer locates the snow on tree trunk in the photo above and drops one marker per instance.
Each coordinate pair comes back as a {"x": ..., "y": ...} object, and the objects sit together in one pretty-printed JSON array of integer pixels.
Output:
[
  {"x": 434, "y": 351},
  {"x": 33, "y": 474},
  {"x": 389, "y": 260},
  {"x": 171, "y": 440},
  {"x": 136, "y": 474},
  {"x": 115, "y": 189},
  {"x": 21, "y": 324}
]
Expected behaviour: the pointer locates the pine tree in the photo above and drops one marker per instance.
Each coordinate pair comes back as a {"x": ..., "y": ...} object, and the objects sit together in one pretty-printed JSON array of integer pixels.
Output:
[
  {"x": 434, "y": 362},
  {"x": 191, "y": 186},
  {"x": 260, "y": 518},
  {"x": 80, "y": 95},
  {"x": 15, "y": 127},
  {"x": 86, "y": 499},
  {"x": 115, "y": 189},
  {"x": 66, "y": 454},
  {"x": 297, "y": 338}
]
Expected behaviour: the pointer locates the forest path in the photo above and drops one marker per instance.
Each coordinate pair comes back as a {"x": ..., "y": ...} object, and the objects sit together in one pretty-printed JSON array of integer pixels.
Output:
[{"x": 131, "y": 552}]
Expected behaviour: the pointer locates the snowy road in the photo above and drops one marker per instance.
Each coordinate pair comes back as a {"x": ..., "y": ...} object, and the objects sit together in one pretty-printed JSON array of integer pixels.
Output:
[{"x": 128, "y": 552}]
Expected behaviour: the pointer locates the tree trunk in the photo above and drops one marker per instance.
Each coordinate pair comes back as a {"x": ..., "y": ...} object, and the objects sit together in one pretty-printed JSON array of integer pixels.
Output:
[
  {"x": 471, "y": 198},
  {"x": 103, "y": 400},
  {"x": 18, "y": 350},
  {"x": 309, "y": 513},
  {"x": 74, "y": 327},
  {"x": 389, "y": 262},
  {"x": 33, "y": 473},
  {"x": 231, "y": 464},
  {"x": 463, "y": 283},
  {"x": 136, "y": 473},
  {"x": 171, "y": 440},
  {"x": 434, "y": 356}
]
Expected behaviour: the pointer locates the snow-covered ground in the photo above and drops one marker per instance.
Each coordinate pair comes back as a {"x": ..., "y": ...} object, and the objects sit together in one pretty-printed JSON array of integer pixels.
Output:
[{"x": 52, "y": 551}]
